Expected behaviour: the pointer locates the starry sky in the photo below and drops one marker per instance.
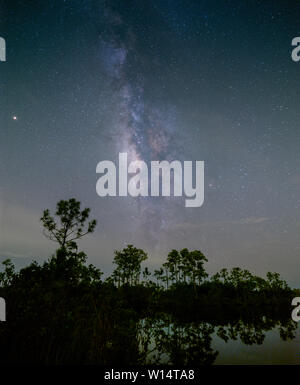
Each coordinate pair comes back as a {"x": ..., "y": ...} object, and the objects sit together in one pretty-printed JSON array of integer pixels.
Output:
[{"x": 192, "y": 80}]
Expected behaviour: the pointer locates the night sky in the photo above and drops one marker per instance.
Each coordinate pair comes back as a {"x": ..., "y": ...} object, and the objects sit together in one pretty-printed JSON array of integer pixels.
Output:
[{"x": 193, "y": 80}]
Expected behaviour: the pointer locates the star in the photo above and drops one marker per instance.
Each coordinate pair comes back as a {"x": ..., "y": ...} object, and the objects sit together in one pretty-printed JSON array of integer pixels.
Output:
[{"x": 15, "y": 117}]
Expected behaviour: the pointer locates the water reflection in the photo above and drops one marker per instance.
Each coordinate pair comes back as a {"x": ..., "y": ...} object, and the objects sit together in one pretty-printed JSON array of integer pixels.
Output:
[{"x": 164, "y": 339}]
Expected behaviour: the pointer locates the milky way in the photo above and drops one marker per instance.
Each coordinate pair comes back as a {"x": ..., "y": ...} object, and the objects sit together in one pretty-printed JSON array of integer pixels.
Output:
[{"x": 143, "y": 130}]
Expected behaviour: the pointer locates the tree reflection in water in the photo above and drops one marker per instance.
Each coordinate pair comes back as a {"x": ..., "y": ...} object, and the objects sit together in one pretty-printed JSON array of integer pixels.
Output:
[{"x": 165, "y": 340}]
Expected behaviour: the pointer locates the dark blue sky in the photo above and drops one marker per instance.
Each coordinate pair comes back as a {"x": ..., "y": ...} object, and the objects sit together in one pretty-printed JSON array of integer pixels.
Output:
[{"x": 187, "y": 80}]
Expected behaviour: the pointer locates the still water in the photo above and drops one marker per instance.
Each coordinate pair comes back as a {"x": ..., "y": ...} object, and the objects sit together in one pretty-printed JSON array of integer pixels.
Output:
[
  {"x": 263, "y": 341},
  {"x": 273, "y": 351}
]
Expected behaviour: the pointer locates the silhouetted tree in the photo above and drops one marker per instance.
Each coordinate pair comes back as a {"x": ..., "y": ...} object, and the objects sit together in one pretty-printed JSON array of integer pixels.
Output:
[
  {"x": 68, "y": 225},
  {"x": 128, "y": 263},
  {"x": 185, "y": 266}
]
